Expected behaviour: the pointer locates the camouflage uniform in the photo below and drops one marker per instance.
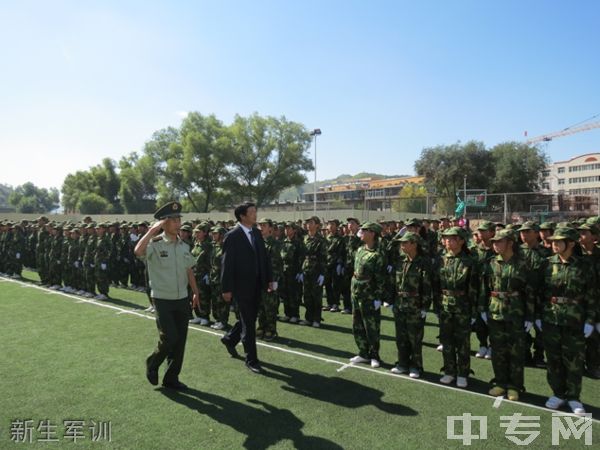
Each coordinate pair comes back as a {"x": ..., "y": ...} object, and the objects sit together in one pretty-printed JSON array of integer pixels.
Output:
[
  {"x": 88, "y": 261},
  {"x": 67, "y": 272},
  {"x": 568, "y": 303},
  {"x": 290, "y": 289},
  {"x": 74, "y": 258},
  {"x": 368, "y": 283},
  {"x": 334, "y": 268},
  {"x": 456, "y": 295},
  {"x": 269, "y": 304},
  {"x": 18, "y": 251},
  {"x": 413, "y": 294},
  {"x": 353, "y": 243},
  {"x": 313, "y": 267},
  {"x": 220, "y": 307},
  {"x": 54, "y": 259},
  {"x": 508, "y": 300},
  {"x": 102, "y": 262},
  {"x": 202, "y": 252}
]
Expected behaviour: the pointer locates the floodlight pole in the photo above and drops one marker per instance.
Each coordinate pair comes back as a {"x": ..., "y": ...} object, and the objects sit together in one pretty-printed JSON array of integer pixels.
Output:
[
  {"x": 465, "y": 196},
  {"x": 316, "y": 132}
]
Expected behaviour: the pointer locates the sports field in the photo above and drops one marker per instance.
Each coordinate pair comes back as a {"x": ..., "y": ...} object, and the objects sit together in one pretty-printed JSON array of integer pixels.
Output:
[{"x": 64, "y": 358}]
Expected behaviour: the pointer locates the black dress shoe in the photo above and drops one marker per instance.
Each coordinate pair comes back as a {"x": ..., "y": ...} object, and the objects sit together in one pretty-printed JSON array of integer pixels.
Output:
[
  {"x": 152, "y": 376},
  {"x": 176, "y": 385},
  {"x": 230, "y": 348},
  {"x": 254, "y": 367}
]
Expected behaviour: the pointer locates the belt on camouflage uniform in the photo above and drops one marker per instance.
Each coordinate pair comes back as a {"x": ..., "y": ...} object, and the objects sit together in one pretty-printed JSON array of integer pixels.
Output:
[
  {"x": 408, "y": 294},
  {"x": 563, "y": 300},
  {"x": 453, "y": 293},
  {"x": 360, "y": 279},
  {"x": 503, "y": 295}
]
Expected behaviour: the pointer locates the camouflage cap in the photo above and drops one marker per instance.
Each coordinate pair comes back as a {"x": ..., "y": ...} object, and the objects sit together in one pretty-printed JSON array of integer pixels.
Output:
[
  {"x": 547, "y": 226},
  {"x": 218, "y": 229},
  {"x": 91, "y": 225},
  {"x": 529, "y": 225},
  {"x": 505, "y": 234},
  {"x": 186, "y": 227},
  {"x": 353, "y": 219},
  {"x": 455, "y": 231},
  {"x": 265, "y": 220},
  {"x": 593, "y": 228},
  {"x": 371, "y": 226},
  {"x": 413, "y": 222},
  {"x": 593, "y": 220},
  {"x": 486, "y": 225},
  {"x": 512, "y": 226},
  {"x": 336, "y": 221},
  {"x": 409, "y": 236},
  {"x": 315, "y": 219},
  {"x": 103, "y": 225},
  {"x": 202, "y": 226},
  {"x": 562, "y": 233},
  {"x": 565, "y": 225},
  {"x": 42, "y": 218}
]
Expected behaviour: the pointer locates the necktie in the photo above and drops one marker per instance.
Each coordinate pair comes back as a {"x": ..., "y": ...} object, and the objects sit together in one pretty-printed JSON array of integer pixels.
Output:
[{"x": 252, "y": 239}]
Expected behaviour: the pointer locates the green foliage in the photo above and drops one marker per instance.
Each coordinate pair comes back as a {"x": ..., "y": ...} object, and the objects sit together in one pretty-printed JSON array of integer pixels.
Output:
[
  {"x": 413, "y": 198},
  {"x": 5, "y": 191},
  {"x": 92, "y": 203},
  {"x": 29, "y": 198},
  {"x": 101, "y": 180}
]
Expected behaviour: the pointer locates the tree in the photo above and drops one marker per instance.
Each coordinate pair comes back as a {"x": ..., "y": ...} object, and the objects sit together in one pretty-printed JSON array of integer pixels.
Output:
[
  {"x": 269, "y": 155},
  {"x": 137, "y": 191},
  {"x": 28, "y": 198},
  {"x": 92, "y": 203},
  {"x": 412, "y": 198},
  {"x": 518, "y": 167},
  {"x": 106, "y": 183}
]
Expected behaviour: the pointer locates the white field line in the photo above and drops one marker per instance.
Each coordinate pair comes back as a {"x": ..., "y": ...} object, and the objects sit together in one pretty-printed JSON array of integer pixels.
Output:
[{"x": 343, "y": 365}]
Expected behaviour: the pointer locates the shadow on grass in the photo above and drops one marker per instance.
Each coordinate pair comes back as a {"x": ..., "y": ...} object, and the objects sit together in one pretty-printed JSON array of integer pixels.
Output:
[
  {"x": 334, "y": 390},
  {"x": 339, "y": 329},
  {"x": 263, "y": 425},
  {"x": 314, "y": 348}
]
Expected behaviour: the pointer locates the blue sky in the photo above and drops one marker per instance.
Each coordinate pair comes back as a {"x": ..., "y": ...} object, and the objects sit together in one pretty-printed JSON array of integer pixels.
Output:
[{"x": 81, "y": 81}]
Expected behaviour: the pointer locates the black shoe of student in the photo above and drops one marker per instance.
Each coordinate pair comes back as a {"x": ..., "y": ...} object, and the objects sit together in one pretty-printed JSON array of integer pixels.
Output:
[
  {"x": 152, "y": 376},
  {"x": 230, "y": 348},
  {"x": 254, "y": 367},
  {"x": 175, "y": 385}
]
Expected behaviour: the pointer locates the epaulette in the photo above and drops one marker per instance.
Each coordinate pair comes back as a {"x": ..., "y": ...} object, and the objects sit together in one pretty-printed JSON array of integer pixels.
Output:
[{"x": 157, "y": 238}]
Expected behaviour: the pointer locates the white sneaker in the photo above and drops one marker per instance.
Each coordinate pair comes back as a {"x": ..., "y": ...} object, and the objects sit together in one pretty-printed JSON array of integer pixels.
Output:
[
  {"x": 488, "y": 354},
  {"x": 303, "y": 322},
  {"x": 447, "y": 379},
  {"x": 101, "y": 297},
  {"x": 398, "y": 370},
  {"x": 554, "y": 402},
  {"x": 576, "y": 407},
  {"x": 294, "y": 320},
  {"x": 481, "y": 353},
  {"x": 414, "y": 373},
  {"x": 374, "y": 363},
  {"x": 133, "y": 287},
  {"x": 461, "y": 382},
  {"x": 359, "y": 359},
  {"x": 440, "y": 348},
  {"x": 197, "y": 320},
  {"x": 316, "y": 325},
  {"x": 218, "y": 326}
]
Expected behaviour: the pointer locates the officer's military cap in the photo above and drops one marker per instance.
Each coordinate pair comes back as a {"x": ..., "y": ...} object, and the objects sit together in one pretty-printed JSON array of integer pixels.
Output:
[
  {"x": 336, "y": 221},
  {"x": 218, "y": 229},
  {"x": 409, "y": 236},
  {"x": 504, "y": 234},
  {"x": 547, "y": 226},
  {"x": 168, "y": 211},
  {"x": 186, "y": 228},
  {"x": 565, "y": 233},
  {"x": 455, "y": 231},
  {"x": 486, "y": 225},
  {"x": 593, "y": 228},
  {"x": 529, "y": 225},
  {"x": 413, "y": 222},
  {"x": 266, "y": 220},
  {"x": 371, "y": 226},
  {"x": 315, "y": 219}
]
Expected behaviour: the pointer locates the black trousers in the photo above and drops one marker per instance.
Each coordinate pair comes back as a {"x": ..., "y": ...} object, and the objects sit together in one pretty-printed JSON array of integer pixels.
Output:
[
  {"x": 245, "y": 328},
  {"x": 172, "y": 322}
]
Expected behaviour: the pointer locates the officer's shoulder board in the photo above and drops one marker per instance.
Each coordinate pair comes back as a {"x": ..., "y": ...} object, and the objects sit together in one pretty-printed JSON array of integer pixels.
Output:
[{"x": 157, "y": 238}]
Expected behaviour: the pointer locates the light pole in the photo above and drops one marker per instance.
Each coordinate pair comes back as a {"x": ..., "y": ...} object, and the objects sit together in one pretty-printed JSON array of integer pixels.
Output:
[{"x": 316, "y": 132}]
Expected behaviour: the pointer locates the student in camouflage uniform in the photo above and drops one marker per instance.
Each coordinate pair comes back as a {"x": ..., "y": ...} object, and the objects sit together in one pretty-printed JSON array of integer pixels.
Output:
[
  {"x": 484, "y": 253},
  {"x": 507, "y": 306},
  {"x": 67, "y": 272},
  {"x": 334, "y": 267},
  {"x": 290, "y": 289},
  {"x": 126, "y": 257},
  {"x": 54, "y": 257},
  {"x": 89, "y": 267},
  {"x": 114, "y": 237},
  {"x": 202, "y": 252},
  {"x": 313, "y": 268},
  {"x": 220, "y": 306},
  {"x": 588, "y": 237},
  {"x": 568, "y": 317},
  {"x": 74, "y": 260},
  {"x": 18, "y": 250},
  {"x": 413, "y": 297},
  {"x": 456, "y": 295},
  {"x": 367, "y": 288},
  {"x": 353, "y": 243},
  {"x": 269, "y": 304},
  {"x": 102, "y": 257}
]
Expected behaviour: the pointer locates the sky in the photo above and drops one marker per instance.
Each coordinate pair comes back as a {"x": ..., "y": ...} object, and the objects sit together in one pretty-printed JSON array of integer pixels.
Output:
[{"x": 81, "y": 81}]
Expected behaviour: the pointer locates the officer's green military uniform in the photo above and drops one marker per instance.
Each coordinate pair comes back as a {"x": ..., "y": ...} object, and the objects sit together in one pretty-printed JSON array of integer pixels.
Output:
[
  {"x": 290, "y": 289},
  {"x": 269, "y": 304},
  {"x": 508, "y": 302},
  {"x": 202, "y": 251},
  {"x": 568, "y": 304},
  {"x": 334, "y": 268},
  {"x": 456, "y": 295},
  {"x": 367, "y": 288},
  {"x": 102, "y": 257},
  {"x": 313, "y": 267},
  {"x": 413, "y": 296}
]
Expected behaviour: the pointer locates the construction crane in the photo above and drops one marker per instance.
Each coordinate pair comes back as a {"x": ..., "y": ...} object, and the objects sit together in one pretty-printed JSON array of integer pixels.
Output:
[{"x": 569, "y": 130}]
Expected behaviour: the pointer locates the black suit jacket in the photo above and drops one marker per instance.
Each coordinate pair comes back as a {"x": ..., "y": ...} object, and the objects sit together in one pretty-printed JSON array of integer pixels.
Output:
[{"x": 244, "y": 269}]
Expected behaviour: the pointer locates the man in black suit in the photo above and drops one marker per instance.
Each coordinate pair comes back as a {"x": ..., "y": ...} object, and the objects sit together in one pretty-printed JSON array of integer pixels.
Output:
[{"x": 245, "y": 273}]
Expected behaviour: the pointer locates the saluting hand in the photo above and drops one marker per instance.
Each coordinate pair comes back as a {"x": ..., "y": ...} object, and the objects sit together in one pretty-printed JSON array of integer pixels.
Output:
[{"x": 156, "y": 227}]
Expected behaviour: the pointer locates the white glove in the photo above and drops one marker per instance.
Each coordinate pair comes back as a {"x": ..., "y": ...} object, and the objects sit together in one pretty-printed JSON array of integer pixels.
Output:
[
  {"x": 376, "y": 304},
  {"x": 588, "y": 329},
  {"x": 274, "y": 285},
  {"x": 125, "y": 260},
  {"x": 58, "y": 261},
  {"x": 598, "y": 327},
  {"x": 528, "y": 326},
  {"x": 206, "y": 280},
  {"x": 472, "y": 321},
  {"x": 76, "y": 264},
  {"x": 339, "y": 269},
  {"x": 320, "y": 280},
  {"x": 389, "y": 268},
  {"x": 423, "y": 314},
  {"x": 103, "y": 266},
  {"x": 388, "y": 305},
  {"x": 484, "y": 316},
  {"x": 300, "y": 278},
  {"x": 92, "y": 265},
  {"x": 18, "y": 255},
  {"x": 538, "y": 324},
  {"x": 133, "y": 237}
]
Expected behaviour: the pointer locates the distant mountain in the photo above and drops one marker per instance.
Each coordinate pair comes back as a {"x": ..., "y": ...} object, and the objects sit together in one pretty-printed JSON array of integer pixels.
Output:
[{"x": 295, "y": 193}]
